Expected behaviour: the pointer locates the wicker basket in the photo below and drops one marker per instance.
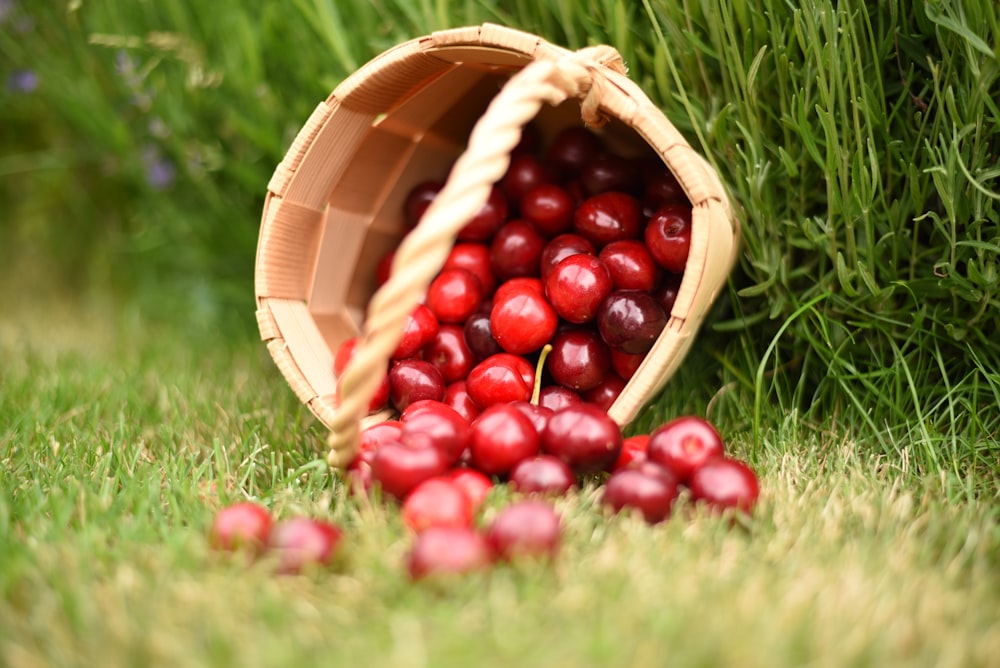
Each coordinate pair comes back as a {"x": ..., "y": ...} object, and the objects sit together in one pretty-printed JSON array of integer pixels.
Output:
[{"x": 449, "y": 104}]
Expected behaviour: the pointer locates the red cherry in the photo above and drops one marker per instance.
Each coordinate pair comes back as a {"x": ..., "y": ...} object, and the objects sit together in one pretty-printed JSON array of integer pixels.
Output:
[
  {"x": 579, "y": 359},
  {"x": 501, "y": 379},
  {"x": 447, "y": 551},
  {"x": 479, "y": 336},
  {"x": 301, "y": 543},
  {"x": 384, "y": 268},
  {"x": 630, "y": 265},
  {"x": 633, "y": 452},
  {"x": 626, "y": 364},
  {"x": 344, "y": 353},
  {"x": 537, "y": 413},
  {"x": 651, "y": 494},
  {"x": 543, "y": 474},
  {"x": 518, "y": 284},
  {"x": 375, "y": 435},
  {"x": 606, "y": 393},
  {"x": 607, "y": 217},
  {"x": 501, "y": 437},
  {"x": 418, "y": 199},
  {"x": 488, "y": 220},
  {"x": 516, "y": 250},
  {"x": 630, "y": 321},
  {"x": 450, "y": 353},
  {"x": 436, "y": 502},
  {"x": 522, "y": 321},
  {"x": 556, "y": 397},
  {"x": 584, "y": 437},
  {"x": 609, "y": 171},
  {"x": 439, "y": 426},
  {"x": 457, "y": 396},
  {"x": 474, "y": 484},
  {"x": 525, "y": 530},
  {"x": 549, "y": 208},
  {"x": 560, "y": 248},
  {"x": 398, "y": 467},
  {"x": 524, "y": 173},
  {"x": 661, "y": 188},
  {"x": 724, "y": 483},
  {"x": 412, "y": 380},
  {"x": 577, "y": 286},
  {"x": 668, "y": 236},
  {"x": 684, "y": 445},
  {"x": 241, "y": 525},
  {"x": 474, "y": 258},
  {"x": 666, "y": 292},
  {"x": 572, "y": 149},
  {"x": 419, "y": 327},
  {"x": 454, "y": 295}
]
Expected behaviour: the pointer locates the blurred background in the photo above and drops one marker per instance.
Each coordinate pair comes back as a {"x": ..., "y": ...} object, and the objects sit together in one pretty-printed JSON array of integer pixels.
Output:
[{"x": 862, "y": 145}]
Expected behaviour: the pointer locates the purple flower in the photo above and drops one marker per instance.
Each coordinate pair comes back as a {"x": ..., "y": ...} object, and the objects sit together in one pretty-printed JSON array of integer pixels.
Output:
[
  {"x": 160, "y": 171},
  {"x": 22, "y": 81}
]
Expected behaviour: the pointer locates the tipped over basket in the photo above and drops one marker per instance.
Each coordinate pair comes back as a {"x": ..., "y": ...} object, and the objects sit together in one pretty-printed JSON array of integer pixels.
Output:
[{"x": 448, "y": 106}]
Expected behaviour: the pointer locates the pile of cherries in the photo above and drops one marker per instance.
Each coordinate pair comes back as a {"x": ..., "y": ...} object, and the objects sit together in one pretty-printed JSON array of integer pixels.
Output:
[{"x": 547, "y": 304}]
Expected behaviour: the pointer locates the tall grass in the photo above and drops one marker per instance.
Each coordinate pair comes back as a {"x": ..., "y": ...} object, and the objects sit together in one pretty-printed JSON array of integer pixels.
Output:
[{"x": 860, "y": 141}]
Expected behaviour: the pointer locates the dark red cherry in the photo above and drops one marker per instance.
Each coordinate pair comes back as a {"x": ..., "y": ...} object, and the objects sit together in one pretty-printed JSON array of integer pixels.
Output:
[
  {"x": 579, "y": 359},
  {"x": 457, "y": 396},
  {"x": 556, "y": 397},
  {"x": 577, "y": 286},
  {"x": 479, "y": 336},
  {"x": 412, "y": 380},
  {"x": 560, "y": 248},
  {"x": 418, "y": 199},
  {"x": 630, "y": 265},
  {"x": 475, "y": 258},
  {"x": 488, "y": 220},
  {"x": 666, "y": 292},
  {"x": 516, "y": 250},
  {"x": 549, "y": 208},
  {"x": 650, "y": 494},
  {"x": 630, "y": 321},
  {"x": 572, "y": 149},
  {"x": 398, "y": 467},
  {"x": 501, "y": 437},
  {"x": 450, "y": 353},
  {"x": 609, "y": 216},
  {"x": 584, "y": 437},
  {"x": 609, "y": 171},
  {"x": 525, "y": 172},
  {"x": 724, "y": 483},
  {"x": 542, "y": 474},
  {"x": 661, "y": 188},
  {"x": 626, "y": 364},
  {"x": 668, "y": 236},
  {"x": 419, "y": 328},
  {"x": 684, "y": 445},
  {"x": 606, "y": 392},
  {"x": 439, "y": 426},
  {"x": 443, "y": 552}
]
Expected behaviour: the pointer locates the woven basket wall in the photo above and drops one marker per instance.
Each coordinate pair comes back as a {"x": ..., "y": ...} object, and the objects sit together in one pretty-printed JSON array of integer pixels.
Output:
[{"x": 333, "y": 206}]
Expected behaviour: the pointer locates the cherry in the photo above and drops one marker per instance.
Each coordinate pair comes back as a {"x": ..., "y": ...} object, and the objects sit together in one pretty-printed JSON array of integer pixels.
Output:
[
  {"x": 398, "y": 467},
  {"x": 419, "y": 327},
  {"x": 501, "y": 437},
  {"x": 384, "y": 268},
  {"x": 411, "y": 380},
  {"x": 454, "y": 295},
  {"x": 517, "y": 284},
  {"x": 516, "y": 250},
  {"x": 488, "y": 220},
  {"x": 474, "y": 258},
  {"x": 668, "y": 236},
  {"x": 560, "y": 248},
  {"x": 584, "y": 437},
  {"x": 439, "y": 426},
  {"x": 479, "y": 336},
  {"x": 240, "y": 525},
  {"x": 344, "y": 353},
  {"x": 358, "y": 477},
  {"x": 474, "y": 484},
  {"x": 609, "y": 171},
  {"x": 633, "y": 452},
  {"x": 666, "y": 292},
  {"x": 630, "y": 321},
  {"x": 537, "y": 413},
  {"x": 549, "y": 208},
  {"x": 609, "y": 216},
  {"x": 543, "y": 474},
  {"x": 626, "y": 364},
  {"x": 501, "y": 379},
  {"x": 447, "y": 551},
  {"x": 524, "y": 173},
  {"x": 684, "y": 445},
  {"x": 437, "y": 502},
  {"x": 630, "y": 265},
  {"x": 579, "y": 359},
  {"x": 577, "y": 286},
  {"x": 556, "y": 397},
  {"x": 606, "y": 393},
  {"x": 661, "y": 188},
  {"x": 375, "y": 435},
  {"x": 572, "y": 149},
  {"x": 522, "y": 321},
  {"x": 301, "y": 543},
  {"x": 449, "y": 352},
  {"x": 652, "y": 494},
  {"x": 724, "y": 483},
  {"x": 457, "y": 397},
  {"x": 529, "y": 529},
  {"x": 418, "y": 199}
]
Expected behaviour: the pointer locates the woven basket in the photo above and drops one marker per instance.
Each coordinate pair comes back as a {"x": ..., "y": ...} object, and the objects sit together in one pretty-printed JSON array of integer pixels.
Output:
[{"x": 449, "y": 104}]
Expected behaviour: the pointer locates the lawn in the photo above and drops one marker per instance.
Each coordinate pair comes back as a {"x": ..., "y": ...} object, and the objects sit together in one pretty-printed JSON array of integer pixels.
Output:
[{"x": 853, "y": 360}]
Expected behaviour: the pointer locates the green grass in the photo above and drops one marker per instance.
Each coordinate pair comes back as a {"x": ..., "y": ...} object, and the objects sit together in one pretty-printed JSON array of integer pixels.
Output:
[{"x": 853, "y": 359}]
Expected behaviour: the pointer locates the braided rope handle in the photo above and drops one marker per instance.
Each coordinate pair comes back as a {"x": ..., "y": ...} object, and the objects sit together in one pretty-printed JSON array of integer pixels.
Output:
[{"x": 424, "y": 250}]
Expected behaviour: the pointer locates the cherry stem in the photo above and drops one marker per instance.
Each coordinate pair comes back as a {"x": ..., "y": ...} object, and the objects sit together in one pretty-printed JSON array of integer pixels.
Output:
[{"x": 537, "y": 390}]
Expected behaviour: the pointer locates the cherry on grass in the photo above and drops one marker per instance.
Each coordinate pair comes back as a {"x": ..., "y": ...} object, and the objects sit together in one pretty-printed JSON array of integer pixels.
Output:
[
  {"x": 398, "y": 467},
  {"x": 529, "y": 529},
  {"x": 684, "y": 445},
  {"x": 501, "y": 436},
  {"x": 240, "y": 525},
  {"x": 724, "y": 483},
  {"x": 584, "y": 437},
  {"x": 650, "y": 491},
  {"x": 301, "y": 543},
  {"x": 542, "y": 474},
  {"x": 447, "y": 551},
  {"x": 437, "y": 502}
]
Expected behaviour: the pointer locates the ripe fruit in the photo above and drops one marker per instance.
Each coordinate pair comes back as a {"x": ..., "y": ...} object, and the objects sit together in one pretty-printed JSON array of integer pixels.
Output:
[
  {"x": 450, "y": 353},
  {"x": 668, "y": 236},
  {"x": 650, "y": 489},
  {"x": 474, "y": 484},
  {"x": 419, "y": 328},
  {"x": 522, "y": 321},
  {"x": 584, "y": 437},
  {"x": 543, "y": 474},
  {"x": 561, "y": 248},
  {"x": 438, "y": 426},
  {"x": 606, "y": 393},
  {"x": 479, "y": 336},
  {"x": 488, "y": 220},
  {"x": 633, "y": 451},
  {"x": 344, "y": 354},
  {"x": 516, "y": 250},
  {"x": 412, "y": 380},
  {"x": 525, "y": 530},
  {"x": 684, "y": 445},
  {"x": 630, "y": 265},
  {"x": 501, "y": 437},
  {"x": 418, "y": 199},
  {"x": 579, "y": 359},
  {"x": 607, "y": 217},
  {"x": 301, "y": 543},
  {"x": 437, "y": 502},
  {"x": 398, "y": 467},
  {"x": 549, "y": 208},
  {"x": 571, "y": 150},
  {"x": 725, "y": 483},
  {"x": 630, "y": 321},
  {"x": 241, "y": 525},
  {"x": 454, "y": 295},
  {"x": 609, "y": 171},
  {"x": 577, "y": 286},
  {"x": 446, "y": 551},
  {"x": 475, "y": 258},
  {"x": 500, "y": 379}
]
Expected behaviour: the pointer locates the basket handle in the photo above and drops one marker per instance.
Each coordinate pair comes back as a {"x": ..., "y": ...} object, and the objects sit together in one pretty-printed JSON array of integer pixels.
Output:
[{"x": 424, "y": 250}]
